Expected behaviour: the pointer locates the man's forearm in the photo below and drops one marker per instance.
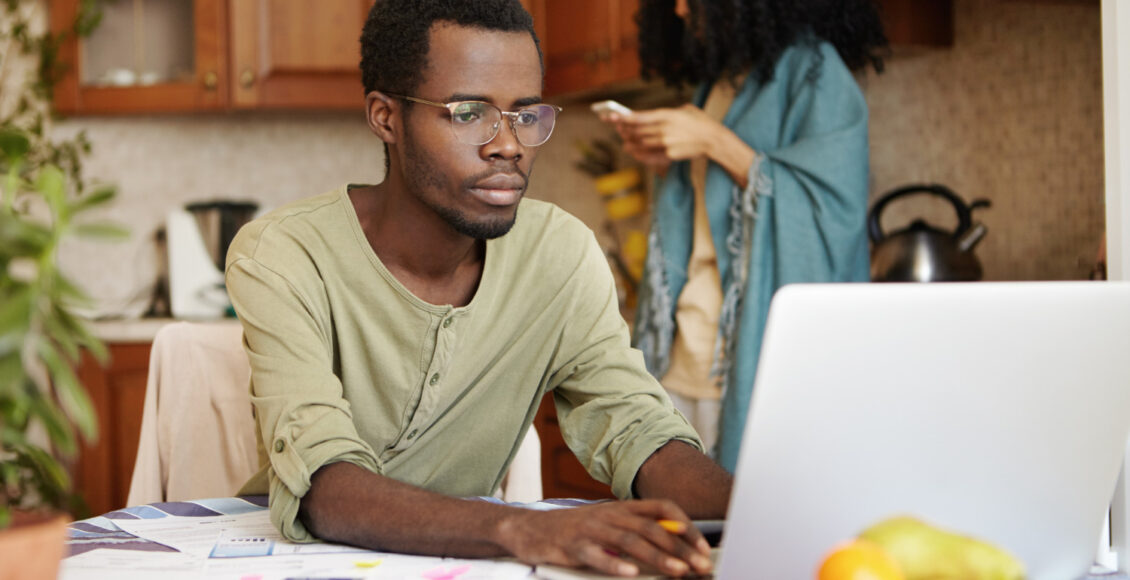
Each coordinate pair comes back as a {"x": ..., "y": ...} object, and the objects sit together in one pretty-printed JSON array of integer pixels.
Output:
[
  {"x": 351, "y": 505},
  {"x": 681, "y": 473}
]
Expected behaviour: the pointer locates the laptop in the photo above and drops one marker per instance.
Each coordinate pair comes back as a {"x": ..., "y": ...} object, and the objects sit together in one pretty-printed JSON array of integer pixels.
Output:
[{"x": 997, "y": 410}]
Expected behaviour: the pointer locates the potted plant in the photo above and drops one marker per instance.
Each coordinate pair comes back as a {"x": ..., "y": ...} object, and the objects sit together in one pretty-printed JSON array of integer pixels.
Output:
[{"x": 44, "y": 410}]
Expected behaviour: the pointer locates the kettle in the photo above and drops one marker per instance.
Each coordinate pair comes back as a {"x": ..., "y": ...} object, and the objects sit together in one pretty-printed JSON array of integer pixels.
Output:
[{"x": 920, "y": 252}]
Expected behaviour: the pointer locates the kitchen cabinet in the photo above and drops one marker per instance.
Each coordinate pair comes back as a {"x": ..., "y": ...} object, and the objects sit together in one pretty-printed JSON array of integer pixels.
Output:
[
  {"x": 588, "y": 44},
  {"x": 297, "y": 54},
  {"x": 151, "y": 56},
  {"x": 145, "y": 56},
  {"x": 910, "y": 22},
  {"x": 103, "y": 471},
  {"x": 562, "y": 475},
  {"x": 173, "y": 56}
]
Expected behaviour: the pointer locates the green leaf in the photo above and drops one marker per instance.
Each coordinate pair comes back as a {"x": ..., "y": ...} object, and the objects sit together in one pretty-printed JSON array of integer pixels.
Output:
[
  {"x": 12, "y": 184},
  {"x": 78, "y": 331},
  {"x": 21, "y": 237},
  {"x": 89, "y": 16},
  {"x": 9, "y": 474},
  {"x": 102, "y": 230},
  {"x": 59, "y": 431},
  {"x": 58, "y": 333},
  {"x": 57, "y": 476},
  {"x": 53, "y": 186},
  {"x": 11, "y": 372},
  {"x": 98, "y": 197},
  {"x": 12, "y": 437},
  {"x": 13, "y": 144},
  {"x": 15, "y": 312},
  {"x": 72, "y": 396}
]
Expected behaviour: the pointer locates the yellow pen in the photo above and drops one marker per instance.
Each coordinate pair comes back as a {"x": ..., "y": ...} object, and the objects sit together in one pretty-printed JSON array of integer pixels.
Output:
[{"x": 675, "y": 527}]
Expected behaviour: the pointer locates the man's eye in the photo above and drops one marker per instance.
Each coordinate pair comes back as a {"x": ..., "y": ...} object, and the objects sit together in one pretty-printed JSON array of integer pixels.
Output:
[
  {"x": 464, "y": 117},
  {"x": 527, "y": 118}
]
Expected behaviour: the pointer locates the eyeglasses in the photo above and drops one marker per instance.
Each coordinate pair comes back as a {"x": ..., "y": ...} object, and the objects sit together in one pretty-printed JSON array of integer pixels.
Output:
[{"x": 477, "y": 123}]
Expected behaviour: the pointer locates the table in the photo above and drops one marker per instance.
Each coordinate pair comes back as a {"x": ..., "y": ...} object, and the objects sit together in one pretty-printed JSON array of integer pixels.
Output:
[{"x": 101, "y": 547}]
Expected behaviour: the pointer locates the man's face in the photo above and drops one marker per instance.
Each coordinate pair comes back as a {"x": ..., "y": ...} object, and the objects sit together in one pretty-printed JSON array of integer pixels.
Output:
[{"x": 474, "y": 188}]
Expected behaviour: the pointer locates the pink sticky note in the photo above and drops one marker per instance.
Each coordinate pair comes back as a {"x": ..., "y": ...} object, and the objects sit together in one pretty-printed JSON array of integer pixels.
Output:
[{"x": 441, "y": 574}]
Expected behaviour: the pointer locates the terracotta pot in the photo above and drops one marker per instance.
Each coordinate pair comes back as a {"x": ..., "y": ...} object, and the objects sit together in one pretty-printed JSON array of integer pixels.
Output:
[{"x": 33, "y": 547}]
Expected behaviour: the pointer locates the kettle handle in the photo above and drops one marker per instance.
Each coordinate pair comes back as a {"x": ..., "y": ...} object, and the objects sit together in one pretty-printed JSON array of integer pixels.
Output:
[{"x": 964, "y": 219}]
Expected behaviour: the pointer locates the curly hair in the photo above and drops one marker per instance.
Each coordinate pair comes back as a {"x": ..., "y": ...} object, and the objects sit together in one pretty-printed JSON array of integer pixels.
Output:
[
  {"x": 726, "y": 38},
  {"x": 394, "y": 42}
]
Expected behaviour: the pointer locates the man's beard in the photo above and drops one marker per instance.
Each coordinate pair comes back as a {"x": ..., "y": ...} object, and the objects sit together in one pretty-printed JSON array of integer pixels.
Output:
[{"x": 420, "y": 177}]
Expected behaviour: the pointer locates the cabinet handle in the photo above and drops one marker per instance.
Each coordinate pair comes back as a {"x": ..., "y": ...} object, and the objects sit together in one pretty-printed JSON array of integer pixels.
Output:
[
  {"x": 211, "y": 80},
  {"x": 246, "y": 78}
]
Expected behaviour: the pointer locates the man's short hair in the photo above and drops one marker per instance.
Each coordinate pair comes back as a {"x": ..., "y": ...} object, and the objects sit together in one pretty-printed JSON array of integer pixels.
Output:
[{"x": 394, "y": 42}]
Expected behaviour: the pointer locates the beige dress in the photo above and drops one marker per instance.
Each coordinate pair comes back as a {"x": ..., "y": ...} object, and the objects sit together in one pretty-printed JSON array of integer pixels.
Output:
[{"x": 693, "y": 391}]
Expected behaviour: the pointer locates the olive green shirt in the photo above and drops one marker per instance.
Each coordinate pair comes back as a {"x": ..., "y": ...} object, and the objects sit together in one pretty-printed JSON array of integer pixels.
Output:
[{"x": 348, "y": 365}]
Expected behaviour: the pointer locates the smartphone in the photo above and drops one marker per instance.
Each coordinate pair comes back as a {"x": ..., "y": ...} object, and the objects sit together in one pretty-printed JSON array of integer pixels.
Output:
[{"x": 605, "y": 108}]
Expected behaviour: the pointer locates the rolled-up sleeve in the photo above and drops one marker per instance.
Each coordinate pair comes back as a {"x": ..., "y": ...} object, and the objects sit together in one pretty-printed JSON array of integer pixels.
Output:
[
  {"x": 613, "y": 414},
  {"x": 303, "y": 418}
]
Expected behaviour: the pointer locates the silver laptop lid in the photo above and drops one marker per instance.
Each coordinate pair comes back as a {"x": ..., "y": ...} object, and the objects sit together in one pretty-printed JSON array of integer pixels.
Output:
[{"x": 999, "y": 410}]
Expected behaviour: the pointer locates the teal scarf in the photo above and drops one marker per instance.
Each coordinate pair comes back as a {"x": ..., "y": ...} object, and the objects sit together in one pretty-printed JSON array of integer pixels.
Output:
[{"x": 800, "y": 219}]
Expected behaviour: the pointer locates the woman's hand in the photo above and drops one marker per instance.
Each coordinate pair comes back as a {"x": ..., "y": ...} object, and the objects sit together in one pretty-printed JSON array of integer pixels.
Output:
[{"x": 660, "y": 136}]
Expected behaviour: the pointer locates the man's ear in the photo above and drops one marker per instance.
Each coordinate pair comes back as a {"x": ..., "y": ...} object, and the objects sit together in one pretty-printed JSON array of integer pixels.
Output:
[{"x": 381, "y": 113}]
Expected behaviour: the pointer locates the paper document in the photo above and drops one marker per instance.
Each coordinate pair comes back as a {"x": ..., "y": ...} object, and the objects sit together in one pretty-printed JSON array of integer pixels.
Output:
[
  {"x": 234, "y": 536},
  {"x": 194, "y": 535},
  {"x": 130, "y": 564}
]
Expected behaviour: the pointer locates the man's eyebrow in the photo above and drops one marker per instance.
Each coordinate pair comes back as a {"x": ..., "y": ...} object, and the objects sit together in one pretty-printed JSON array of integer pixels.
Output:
[{"x": 523, "y": 102}]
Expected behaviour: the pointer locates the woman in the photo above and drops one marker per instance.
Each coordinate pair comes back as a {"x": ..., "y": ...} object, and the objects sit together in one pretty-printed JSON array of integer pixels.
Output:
[{"x": 764, "y": 183}]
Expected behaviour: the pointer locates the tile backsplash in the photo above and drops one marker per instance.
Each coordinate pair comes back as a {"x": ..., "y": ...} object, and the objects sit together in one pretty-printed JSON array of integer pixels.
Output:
[{"x": 1012, "y": 113}]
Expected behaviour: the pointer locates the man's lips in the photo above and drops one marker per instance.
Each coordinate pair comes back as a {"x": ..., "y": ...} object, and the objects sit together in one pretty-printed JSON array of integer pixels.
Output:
[{"x": 500, "y": 190}]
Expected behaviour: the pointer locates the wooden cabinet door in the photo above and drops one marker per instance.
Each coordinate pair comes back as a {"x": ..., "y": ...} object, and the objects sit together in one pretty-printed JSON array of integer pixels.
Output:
[
  {"x": 297, "y": 53},
  {"x": 202, "y": 88},
  {"x": 907, "y": 22},
  {"x": 104, "y": 469},
  {"x": 588, "y": 43}
]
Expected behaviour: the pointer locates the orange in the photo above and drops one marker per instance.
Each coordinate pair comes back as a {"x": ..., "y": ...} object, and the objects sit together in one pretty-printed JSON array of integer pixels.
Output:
[{"x": 859, "y": 560}]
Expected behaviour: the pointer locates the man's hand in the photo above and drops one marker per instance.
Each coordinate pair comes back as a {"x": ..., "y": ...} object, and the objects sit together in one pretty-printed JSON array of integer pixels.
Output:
[{"x": 598, "y": 535}]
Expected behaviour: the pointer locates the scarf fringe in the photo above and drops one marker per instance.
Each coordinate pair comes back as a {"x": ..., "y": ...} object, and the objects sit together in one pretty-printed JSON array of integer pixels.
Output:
[
  {"x": 743, "y": 215},
  {"x": 655, "y": 324},
  {"x": 655, "y": 327}
]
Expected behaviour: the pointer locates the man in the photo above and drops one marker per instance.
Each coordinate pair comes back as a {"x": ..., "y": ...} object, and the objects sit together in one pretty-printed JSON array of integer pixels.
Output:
[{"x": 402, "y": 335}]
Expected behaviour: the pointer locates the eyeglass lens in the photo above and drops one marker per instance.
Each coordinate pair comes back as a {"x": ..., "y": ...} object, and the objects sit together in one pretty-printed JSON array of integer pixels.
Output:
[{"x": 477, "y": 123}]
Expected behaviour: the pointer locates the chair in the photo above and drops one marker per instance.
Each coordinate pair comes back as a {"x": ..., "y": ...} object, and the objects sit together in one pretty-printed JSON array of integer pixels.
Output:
[
  {"x": 197, "y": 429},
  {"x": 198, "y": 432}
]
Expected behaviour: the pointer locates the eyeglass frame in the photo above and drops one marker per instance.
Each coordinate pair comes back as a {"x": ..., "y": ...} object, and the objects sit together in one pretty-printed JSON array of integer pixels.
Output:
[{"x": 510, "y": 115}]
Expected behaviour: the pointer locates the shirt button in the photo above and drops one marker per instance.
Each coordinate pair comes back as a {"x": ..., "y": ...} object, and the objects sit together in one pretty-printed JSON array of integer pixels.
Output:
[
  {"x": 447, "y": 323},
  {"x": 279, "y": 445},
  {"x": 412, "y": 434},
  {"x": 435, "y": 379}
]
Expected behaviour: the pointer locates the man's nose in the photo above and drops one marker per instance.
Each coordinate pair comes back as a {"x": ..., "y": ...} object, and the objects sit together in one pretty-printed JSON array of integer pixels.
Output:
[{"x": 505, "y": 143}]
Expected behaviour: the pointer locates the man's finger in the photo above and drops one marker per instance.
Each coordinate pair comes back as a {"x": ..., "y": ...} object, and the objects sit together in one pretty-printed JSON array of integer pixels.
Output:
[
  {"x": 631, "y": 544},
  {"x": 594, "y": 556}
]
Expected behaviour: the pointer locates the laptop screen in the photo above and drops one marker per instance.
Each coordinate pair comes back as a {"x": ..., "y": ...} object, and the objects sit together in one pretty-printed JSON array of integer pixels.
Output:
[{"x": 996, "y": 410}]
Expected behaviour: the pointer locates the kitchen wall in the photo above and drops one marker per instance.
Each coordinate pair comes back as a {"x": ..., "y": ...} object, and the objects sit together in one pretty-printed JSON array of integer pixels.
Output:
[{"x": 1012, "y": 112}]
